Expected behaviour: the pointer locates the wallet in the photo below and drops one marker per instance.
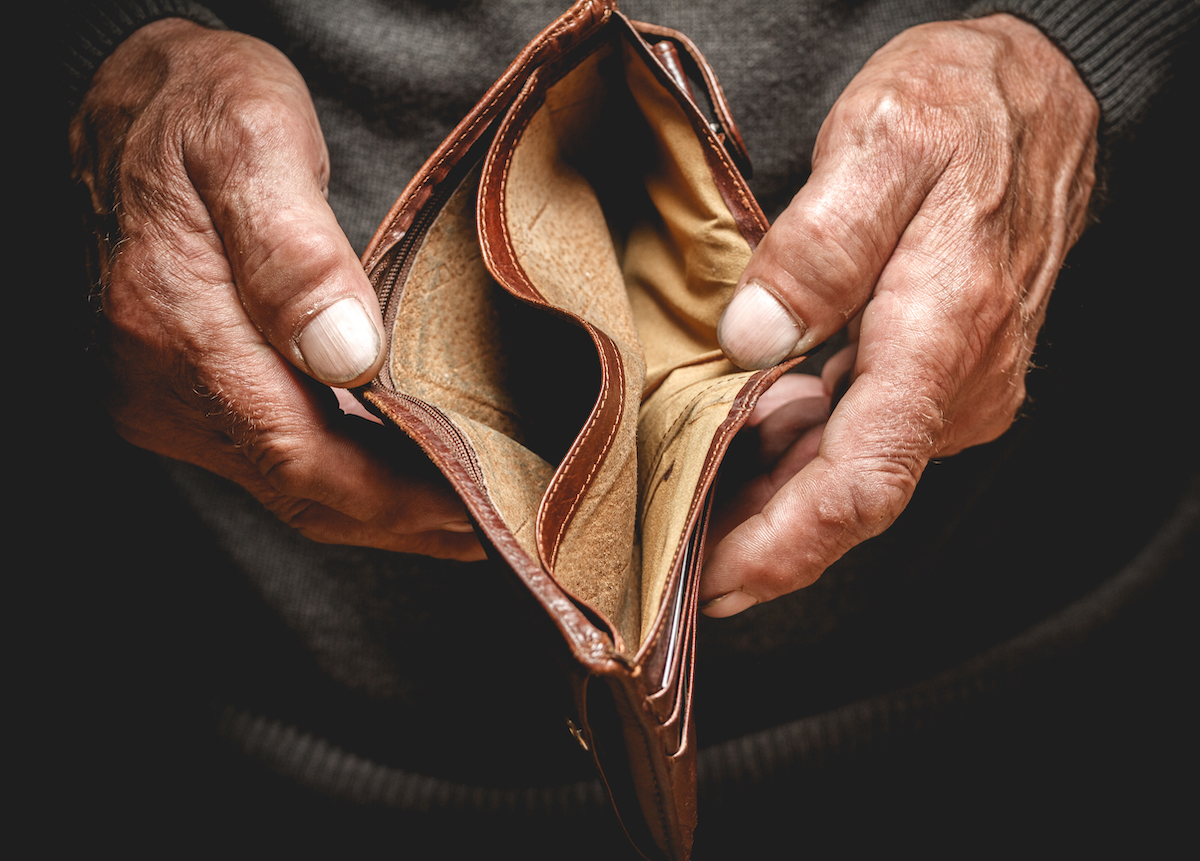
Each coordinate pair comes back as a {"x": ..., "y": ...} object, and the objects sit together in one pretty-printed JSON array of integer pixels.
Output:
[{"x": 551, "y": 282}]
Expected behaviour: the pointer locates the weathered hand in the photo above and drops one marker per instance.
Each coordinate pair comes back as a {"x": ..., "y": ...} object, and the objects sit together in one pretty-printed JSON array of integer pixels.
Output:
[
  {"x": 231, "y": 295},
  {"x": 949, "y": 180}
]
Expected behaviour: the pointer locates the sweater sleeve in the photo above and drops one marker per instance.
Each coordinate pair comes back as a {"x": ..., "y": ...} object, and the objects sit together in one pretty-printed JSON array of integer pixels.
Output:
[
  {"x": 93, "y": 30},
  {"x": 1125, "y": 50}
]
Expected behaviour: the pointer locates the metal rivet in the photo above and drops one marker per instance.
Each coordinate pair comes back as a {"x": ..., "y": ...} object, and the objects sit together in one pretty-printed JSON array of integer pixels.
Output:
[{"x": 578, "y": 735}]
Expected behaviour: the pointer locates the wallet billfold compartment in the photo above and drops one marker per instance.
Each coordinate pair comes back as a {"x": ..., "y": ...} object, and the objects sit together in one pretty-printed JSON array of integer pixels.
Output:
[{"x": 551, "y": 283}]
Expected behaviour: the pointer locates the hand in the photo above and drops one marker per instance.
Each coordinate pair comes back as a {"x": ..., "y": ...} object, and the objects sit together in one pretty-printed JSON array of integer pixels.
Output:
[
  {"x": 232, "y": 298},
  {"x": 949, "y": 180}
]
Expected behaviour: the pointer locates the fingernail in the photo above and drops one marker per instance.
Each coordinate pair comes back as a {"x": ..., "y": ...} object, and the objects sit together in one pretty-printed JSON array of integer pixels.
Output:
[
  {"x": 756, "y": 331},
  {"x": 458, "y": 526},
  {"x": 340, "y": 343},
  {"x": 729, "y": 604}
]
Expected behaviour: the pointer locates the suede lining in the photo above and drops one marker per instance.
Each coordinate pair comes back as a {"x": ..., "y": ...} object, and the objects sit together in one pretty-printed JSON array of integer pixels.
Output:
[{"x": 619, "y": 222}]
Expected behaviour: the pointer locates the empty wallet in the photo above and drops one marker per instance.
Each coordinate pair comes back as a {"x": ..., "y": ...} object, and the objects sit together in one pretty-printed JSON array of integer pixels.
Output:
[{"x": 551, "y": 282}]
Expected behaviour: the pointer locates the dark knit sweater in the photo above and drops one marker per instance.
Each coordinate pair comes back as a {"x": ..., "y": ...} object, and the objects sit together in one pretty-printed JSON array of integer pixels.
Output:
[{"x": 343, "y": 686}]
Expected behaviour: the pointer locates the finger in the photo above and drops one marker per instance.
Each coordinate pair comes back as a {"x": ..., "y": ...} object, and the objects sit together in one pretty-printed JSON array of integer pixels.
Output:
[
  {"x": 262, "y": 172},
  {"x": 446, "y": 533},
  {"x": 334, "y": 477},
  {"x": 872, "y": 452},
  {"x": 351, "y": 407},
  {"x": 332, "y": 527},
  {"x": 839, "y": 499},
  {"x": 787, "y": 437},
  {"x": 838, "y": 371},
  {"x": 785, "y": 425},
  {"x": 818, "y": 264},
  {"x": 753, "y": 495},
  {"x": 305, "y": 451},
  {"x": 788, "y": 388}
]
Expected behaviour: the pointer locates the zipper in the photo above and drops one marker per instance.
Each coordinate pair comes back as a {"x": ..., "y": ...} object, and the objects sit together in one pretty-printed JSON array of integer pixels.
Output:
[
  {"x": 450, "y": 434},
  {"x": 396, "y": 274},
  {"x": 401, "y": 265}
]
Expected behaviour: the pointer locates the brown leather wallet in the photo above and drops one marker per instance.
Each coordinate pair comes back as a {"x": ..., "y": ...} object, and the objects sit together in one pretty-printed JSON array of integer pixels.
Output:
[{"x": 551, "y": 283}]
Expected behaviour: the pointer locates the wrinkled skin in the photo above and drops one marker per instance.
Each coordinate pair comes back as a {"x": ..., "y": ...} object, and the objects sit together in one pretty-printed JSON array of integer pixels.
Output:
[
  {"x": 206, "y": 164},
  {"x": 949, "y": 181}
]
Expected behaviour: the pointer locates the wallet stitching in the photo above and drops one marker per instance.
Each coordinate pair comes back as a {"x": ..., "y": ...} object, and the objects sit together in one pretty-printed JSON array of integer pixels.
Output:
[
  {"x": 453, "y": 151},
  {"x": 518, "y": 77},
  {"x": 728, "y": 164},
  {"x": 485, "y": 239},
  {"x": 738, "y": 413},
  {"x": 719, "y": 150},
  {"x": 605, "y": 448},
  {"x": 660, "y": 807},
  {"x": 516, "y": 132}
]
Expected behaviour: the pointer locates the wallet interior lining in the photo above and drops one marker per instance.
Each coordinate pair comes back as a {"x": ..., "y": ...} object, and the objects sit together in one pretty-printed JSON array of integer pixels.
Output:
[
  {"x": 462, "y": 344},
  {"x": 619, "y": 221}
]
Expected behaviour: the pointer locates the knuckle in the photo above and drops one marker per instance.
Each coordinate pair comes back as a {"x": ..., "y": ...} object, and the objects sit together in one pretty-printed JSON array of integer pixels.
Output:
[
  {"x": 265, "y": 431},
  {"x": 247, "y": 130},
  {"x": 245, "y": 87},
  {"x": 249, "y": 116},
  {"x": 285, "y": 469},
  {"x": 300, "y": 514},
  {"x": 889, "y": 487},
  {"x": 777, "y": 564},
  {"x": 871, "y": 502},
  {"x": 771, "y": 581},
  {"x": 819, "y": 258},
  {"x": 281, "y": 458},
  {"x": 1006, "y": 407},
  {"x": 938, "y": 122},
  {"x": 310, "y": 256},
  {"x": 284, "y": 276},
  {"x": 307, "y": 517},
  {"x": 900, "y": 124},
  {"x": 137, "y": 290},
  {"x": 250, "y": 121}
]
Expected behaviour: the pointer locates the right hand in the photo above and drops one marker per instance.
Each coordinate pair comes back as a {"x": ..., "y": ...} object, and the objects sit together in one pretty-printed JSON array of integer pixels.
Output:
[{"x": 234, "y": 300}]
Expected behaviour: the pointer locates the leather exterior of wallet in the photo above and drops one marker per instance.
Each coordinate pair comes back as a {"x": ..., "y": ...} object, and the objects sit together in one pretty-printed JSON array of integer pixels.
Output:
[{"x": 551, "y": 282}]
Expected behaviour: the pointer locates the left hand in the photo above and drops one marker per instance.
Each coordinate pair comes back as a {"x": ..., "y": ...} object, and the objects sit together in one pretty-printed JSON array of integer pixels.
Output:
[{"x": 949, "y": 181}]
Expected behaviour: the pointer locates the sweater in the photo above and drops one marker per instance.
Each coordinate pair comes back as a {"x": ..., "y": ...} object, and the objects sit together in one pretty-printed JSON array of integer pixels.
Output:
[{"x": 337, "y": 693}]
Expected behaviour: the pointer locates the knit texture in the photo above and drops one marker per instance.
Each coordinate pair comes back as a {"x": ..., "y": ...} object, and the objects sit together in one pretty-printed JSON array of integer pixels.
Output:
[
  {"x": 1124, "y": 49},
  {"x": 93, "y": 30}
]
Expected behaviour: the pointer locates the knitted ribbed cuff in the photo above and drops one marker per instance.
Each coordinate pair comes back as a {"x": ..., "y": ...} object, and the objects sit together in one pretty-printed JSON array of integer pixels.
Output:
[
  {"x": 93, "y": 30},
  {"x": 1122, "y": 48}
]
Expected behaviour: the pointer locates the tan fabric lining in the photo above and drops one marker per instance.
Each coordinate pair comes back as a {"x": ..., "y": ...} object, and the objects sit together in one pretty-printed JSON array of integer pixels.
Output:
[
  {"x": 674, "y": 432},
  {"x": 618, "y": 222},
  {"x": 447, "y": 345},
  {"x": 623, "y": 226},
  {"x": 515, "y": 477},
  {"x": 559, "y": 232},
  {"x": 450, "y": 349},
  {"x": 680, "y": 283}
]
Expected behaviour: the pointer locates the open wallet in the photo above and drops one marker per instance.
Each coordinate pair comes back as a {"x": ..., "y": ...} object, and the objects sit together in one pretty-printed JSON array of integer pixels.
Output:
[{"x": 551, "y": 283}]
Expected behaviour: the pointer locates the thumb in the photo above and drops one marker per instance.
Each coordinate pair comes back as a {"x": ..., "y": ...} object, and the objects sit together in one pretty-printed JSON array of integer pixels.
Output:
[
  {"x": 263, "y": 178},
  {"x": 818, "y": 264}
]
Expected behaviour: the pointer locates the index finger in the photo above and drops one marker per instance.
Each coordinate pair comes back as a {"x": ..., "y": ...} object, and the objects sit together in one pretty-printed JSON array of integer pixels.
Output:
[{"x": 873, "y": 451}]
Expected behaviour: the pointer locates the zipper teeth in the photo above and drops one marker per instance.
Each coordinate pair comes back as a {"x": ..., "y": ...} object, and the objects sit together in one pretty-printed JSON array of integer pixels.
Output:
[
  {"x": 395, "y": 274},
  {"x": 398, "y": 271},
  {"x": 451, "y": 434}
]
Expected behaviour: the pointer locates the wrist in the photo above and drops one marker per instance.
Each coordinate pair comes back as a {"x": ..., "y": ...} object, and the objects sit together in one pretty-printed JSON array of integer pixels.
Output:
[{"x": 93, "y": 31}]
